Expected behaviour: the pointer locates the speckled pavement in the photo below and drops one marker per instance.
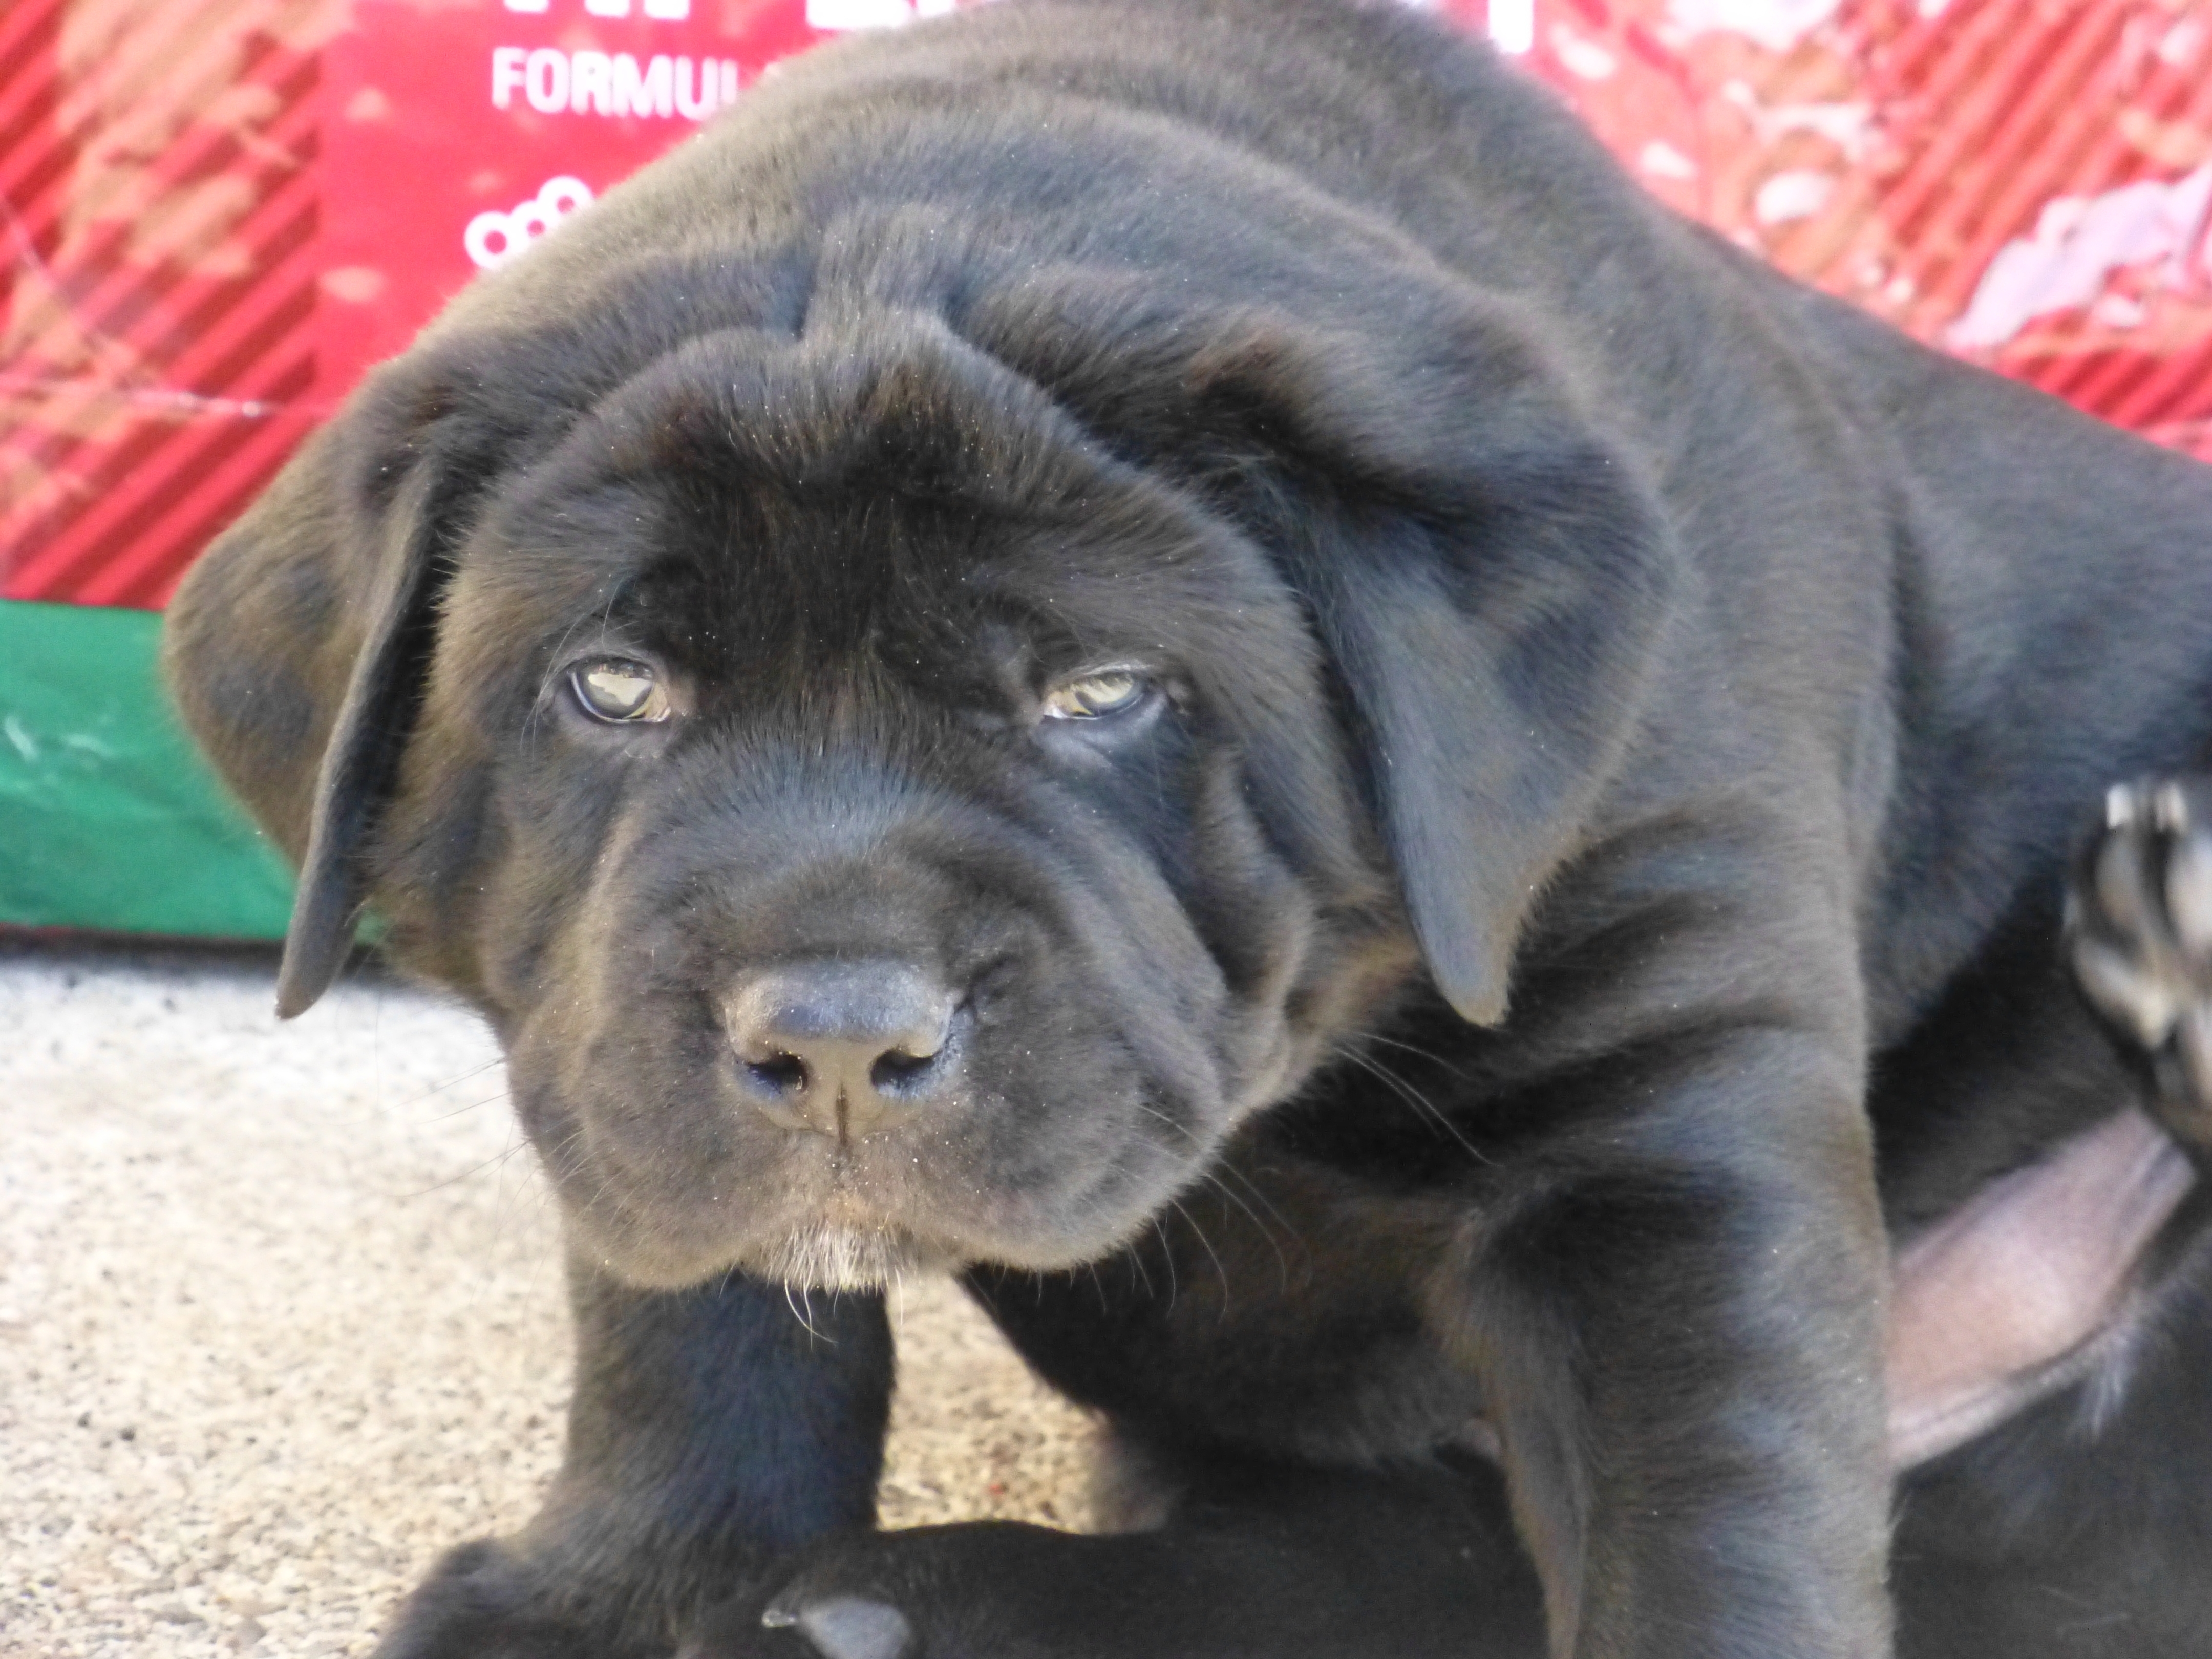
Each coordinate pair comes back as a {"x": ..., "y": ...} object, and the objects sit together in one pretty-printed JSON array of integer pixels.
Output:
[{"x": 281, "y": 1316}]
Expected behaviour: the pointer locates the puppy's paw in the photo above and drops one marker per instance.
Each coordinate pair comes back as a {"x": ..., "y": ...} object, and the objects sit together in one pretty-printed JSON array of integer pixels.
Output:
[
  {"x": 860, "y": 1600},
  {"x": 804, "y": 1627},
  {"x": 2139, "y": 939},
  {"x": 489, "y": 1600},
  {"x": 844, "y": 1626},
  {"x": 1232, "y": 1586},
  {"x": 985, "y": 1590}
]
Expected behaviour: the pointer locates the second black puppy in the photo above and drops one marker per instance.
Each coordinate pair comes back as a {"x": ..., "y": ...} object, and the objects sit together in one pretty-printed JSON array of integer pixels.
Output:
[{"x": 1187, "y": 637}]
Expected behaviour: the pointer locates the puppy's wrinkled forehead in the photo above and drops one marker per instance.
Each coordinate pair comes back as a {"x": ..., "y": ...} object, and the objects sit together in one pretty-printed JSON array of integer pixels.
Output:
[{"x": 874, "y": 497}]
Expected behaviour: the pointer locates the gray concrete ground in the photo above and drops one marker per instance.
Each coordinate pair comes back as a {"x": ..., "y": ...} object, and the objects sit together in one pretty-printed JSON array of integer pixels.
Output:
[{"x": 281, "y": 1316}]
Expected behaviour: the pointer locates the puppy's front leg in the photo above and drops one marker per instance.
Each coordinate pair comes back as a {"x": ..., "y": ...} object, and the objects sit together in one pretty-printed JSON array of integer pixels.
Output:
[
  {"x": 1677, "y": 1315},
  {"x": 711, "y": 1430}
]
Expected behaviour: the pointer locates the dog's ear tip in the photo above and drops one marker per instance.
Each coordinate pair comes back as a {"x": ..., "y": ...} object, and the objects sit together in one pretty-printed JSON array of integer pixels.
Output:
[
  {"x": 294, "y": 999},
  {"x": 1482, "y": 1004},
  {"x": 306, "y": 972},
  {"x": 1489, "y": 1013},
  {"x": 1470, "y": 976}
]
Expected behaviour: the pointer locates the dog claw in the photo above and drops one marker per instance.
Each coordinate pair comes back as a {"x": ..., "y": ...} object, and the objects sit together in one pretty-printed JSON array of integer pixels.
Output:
[
  {"x": 2189, "y": 895},
  {"x": 2145, "y": 1005},
  {"x": 848, "y": 1627},
  {"x": 2120, "y": 886},
  {"x": 2194, "y": 1040}
]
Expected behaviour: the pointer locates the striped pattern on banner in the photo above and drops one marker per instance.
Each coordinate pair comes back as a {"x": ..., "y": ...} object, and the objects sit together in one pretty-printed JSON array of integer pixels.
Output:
[
  {"x": 2026, "y": 183},
  {"x": 158, "y": 183}
]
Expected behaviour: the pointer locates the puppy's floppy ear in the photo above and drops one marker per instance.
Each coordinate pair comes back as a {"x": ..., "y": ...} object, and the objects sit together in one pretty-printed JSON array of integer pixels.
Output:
[
  {"x": 298, "y": 645},
  {"x": 1488, "y": 573},
  {"x": 362, "y": 759}
]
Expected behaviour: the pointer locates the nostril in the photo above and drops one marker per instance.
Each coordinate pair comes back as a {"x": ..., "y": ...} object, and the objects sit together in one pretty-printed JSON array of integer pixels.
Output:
[
  {"x": 923, "y": 1061},
  {"x": 898, "y": 1067},
  {"x": 781, "y": 1074}
]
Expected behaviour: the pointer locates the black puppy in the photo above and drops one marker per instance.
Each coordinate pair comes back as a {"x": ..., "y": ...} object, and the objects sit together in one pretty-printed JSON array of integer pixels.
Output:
[{"x": 1180, "y": 655}]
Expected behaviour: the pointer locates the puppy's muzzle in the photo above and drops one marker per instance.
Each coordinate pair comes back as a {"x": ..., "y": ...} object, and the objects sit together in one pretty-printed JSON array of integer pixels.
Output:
[{"x": 844, "y": 1048}]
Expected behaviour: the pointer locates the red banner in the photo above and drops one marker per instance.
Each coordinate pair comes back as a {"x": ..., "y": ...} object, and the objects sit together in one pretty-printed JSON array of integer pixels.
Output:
[
  {"x": 2023, "y": 182},
  {"x": 218, "y": 212}
]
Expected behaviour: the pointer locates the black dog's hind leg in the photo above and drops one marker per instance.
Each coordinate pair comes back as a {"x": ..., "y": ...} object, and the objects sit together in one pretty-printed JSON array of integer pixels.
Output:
[
  {"x": 1254, "y": 1561},
  {"x": 712, "y": 1432},
  {"x": 2139, "y": 938}
]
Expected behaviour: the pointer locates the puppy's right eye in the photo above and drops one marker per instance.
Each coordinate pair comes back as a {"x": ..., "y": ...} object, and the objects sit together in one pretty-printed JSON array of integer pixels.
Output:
[
  {"x": 1095, "y": 697},
  {"x": 619, "y": 691}
]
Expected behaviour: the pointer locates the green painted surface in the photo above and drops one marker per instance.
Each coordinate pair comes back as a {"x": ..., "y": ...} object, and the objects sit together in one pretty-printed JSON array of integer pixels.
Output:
[{"x": 108, "y": 817}]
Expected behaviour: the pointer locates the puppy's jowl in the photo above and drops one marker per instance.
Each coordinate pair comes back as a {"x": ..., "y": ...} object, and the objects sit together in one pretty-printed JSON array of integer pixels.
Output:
[{"x": 1178, "y": 656}]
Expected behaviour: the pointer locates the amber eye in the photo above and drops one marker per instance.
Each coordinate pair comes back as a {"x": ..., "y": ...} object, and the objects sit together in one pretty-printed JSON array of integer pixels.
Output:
[
  {"x": 620, "y": 691},
  {"x": 1094, "y": 695}
]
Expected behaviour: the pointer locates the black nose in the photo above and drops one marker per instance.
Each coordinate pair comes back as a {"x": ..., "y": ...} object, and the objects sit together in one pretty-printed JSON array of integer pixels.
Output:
[{"x": 840, "y": 1047}]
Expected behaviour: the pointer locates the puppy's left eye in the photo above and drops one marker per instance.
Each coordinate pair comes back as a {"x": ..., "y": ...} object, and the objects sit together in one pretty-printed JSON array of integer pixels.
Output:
[
  {"x": 619, "y": 691},
  {"x": 1095, "y": 694}
]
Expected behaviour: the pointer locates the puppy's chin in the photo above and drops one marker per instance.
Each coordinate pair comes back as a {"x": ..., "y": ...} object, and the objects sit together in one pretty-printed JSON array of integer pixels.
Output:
[
  {"x": 833, "y": 1258},
  {"x": 825, "y": 1256}
]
